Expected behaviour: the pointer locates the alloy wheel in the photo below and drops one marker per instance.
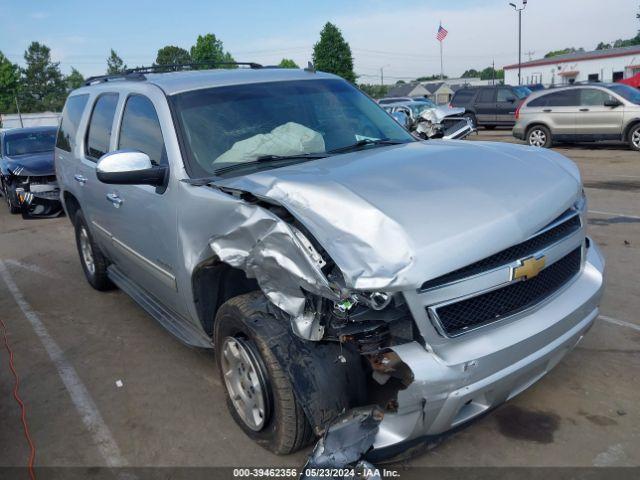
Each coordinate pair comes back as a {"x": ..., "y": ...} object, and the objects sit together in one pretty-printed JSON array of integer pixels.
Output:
[
  {"x": 635, "y": 138},
  {"x": 87, "y": 252},
  {"x": 245, "y": 383},
  {"x": 537, "y": 138}
]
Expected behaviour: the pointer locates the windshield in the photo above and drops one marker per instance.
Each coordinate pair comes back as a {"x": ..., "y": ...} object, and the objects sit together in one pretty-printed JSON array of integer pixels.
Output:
[
  {"x": 240, "y": 124},
  {"x": 522, "y": 92},
  {"x": 628, "y": 93},
  {"x": 32, "y": 142},
  {"x": 427, "y": 102}
]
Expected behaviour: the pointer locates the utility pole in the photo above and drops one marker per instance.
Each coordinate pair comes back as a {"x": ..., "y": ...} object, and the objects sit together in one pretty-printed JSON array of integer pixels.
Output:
[
  {"x": 382, "y": 76},
  {"x": 15, "y": 97},
  {"x": 493, "y": 72},
  {"x": 530, "y": 54},
  {"x": 519, "y": 10}
]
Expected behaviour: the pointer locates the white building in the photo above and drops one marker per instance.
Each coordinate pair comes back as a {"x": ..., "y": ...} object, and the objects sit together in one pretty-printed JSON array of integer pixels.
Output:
[
  {"x": 609, "y": 65},
  {"x": 45, "y": 119}
]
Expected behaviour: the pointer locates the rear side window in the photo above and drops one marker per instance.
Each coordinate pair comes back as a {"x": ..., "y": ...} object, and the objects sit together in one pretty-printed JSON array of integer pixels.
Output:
[
  {"x": 505, "y": 95},
  {"x": 71, "y": 115},
  {"x": 565, "y": 98},
  {"x": 462, "y": 97},
  {"x": 99, "y": 133},
  {"x": 487, "y": 95},
  {"x": 140, "y": 129}
]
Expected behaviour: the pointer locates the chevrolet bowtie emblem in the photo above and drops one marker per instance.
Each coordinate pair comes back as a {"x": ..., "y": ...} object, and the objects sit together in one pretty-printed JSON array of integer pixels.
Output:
[{"x": 529, "y": 268}]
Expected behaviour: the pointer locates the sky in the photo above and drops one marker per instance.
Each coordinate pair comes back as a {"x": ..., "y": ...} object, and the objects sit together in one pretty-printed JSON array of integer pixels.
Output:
[{"x": 395, "y": 35}]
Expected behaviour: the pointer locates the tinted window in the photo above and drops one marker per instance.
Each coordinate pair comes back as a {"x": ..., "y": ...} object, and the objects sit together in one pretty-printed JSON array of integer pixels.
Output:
[
  {"x": 505, "y": 95},
  {"x": 522, "y": 92},
  {"x": 100, "y": 124},
  {"x": 462, "y": 97},
  {"x": 565, "y": 98},
  {"x": 593, "y": 97},
  {"x": 140, "y": 129},
  {"x": 627, "y": 92},
  {"x": 70, "y": 119},
  {"x": 487, "y": 95}
]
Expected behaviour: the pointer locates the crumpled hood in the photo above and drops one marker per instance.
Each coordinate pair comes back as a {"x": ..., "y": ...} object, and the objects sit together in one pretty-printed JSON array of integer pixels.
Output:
[
  {"x": 32, "y": 164},
  {"x": 442, "y": 112},
  {"x": 394, "y": 217}
]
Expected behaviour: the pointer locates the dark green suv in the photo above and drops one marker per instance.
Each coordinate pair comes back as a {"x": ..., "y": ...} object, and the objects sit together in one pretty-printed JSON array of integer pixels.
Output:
[{"x": 490, "y": 106}]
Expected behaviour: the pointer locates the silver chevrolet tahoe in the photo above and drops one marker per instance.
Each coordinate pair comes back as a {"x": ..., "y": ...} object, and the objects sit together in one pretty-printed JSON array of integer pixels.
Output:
[{"x": 333, "y": 262}]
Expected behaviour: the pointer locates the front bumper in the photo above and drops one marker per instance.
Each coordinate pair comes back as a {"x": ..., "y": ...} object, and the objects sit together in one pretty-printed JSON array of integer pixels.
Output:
[
  {"x": 41, "y": 203},
  {"x": 445, "y": 394},
  {"x": 518, "y": 132}
]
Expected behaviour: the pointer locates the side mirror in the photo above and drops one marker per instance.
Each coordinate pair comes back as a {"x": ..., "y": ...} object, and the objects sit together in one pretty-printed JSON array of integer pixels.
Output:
[
  {"x": 612, "y": 102},
  {"x": 402, "y": 118},
  {"x": 129, "y": 167}
]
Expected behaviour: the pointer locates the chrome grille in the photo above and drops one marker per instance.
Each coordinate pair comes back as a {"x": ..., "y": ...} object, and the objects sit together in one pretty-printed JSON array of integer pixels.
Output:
[{"x": 460, "y": 317}]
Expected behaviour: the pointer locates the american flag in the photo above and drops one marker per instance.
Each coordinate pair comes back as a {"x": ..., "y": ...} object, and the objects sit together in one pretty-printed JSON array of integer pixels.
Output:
[{"x": 442, "y": 33}]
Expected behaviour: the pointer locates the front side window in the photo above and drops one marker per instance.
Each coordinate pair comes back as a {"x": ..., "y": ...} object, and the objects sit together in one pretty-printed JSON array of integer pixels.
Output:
[
  {"x": 628, "y": 93},
  {"x": 593, "y": 97},
  {"x": 99, "y": 133},
  {"x": 29, "y": 142},
  {"x": 71, "y": 115},
  {"x": 505, "y": 95},
  {"x": 140, "y": 129},
  {"x": 487, "y": 95},
  {"x": 226, "y": 126}
]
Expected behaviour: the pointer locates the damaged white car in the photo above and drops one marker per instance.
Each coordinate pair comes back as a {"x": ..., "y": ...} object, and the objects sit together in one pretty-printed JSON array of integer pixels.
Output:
[{"x": 353, "y": 280}]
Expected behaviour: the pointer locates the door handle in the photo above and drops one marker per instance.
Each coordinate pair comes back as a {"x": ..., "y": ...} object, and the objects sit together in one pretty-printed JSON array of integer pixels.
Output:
[
  {"x": 115, "y": 199},
  {"x": 547, "y": 110},
  {"x": 80, "y": 179},
  {"x": 584, "y": 109}
]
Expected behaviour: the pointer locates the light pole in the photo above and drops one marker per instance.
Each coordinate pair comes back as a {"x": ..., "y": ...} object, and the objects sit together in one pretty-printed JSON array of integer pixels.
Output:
[
  {"x": 382, "y": 74},
  {"x": 519, "y": 10}
]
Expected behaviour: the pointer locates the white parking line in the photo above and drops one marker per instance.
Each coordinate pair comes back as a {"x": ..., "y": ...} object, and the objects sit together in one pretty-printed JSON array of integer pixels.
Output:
[
  {"x": 77, "y": 391},
  {"x": 620, "y": 323},
  {"x": 614, "y": 214}
]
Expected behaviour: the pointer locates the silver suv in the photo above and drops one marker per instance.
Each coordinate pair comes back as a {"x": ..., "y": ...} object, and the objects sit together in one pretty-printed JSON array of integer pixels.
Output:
[
  {"x": 331, "y": 260},
  {"x": 586, "y": 113}
]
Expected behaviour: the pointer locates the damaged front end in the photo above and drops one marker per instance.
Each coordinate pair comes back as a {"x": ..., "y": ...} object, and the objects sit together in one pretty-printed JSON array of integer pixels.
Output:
[{"x": 37, "y": 196}]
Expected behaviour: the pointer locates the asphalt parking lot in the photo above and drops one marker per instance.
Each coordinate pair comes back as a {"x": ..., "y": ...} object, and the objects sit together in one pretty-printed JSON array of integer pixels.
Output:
[{"x": 170, "y": 410}]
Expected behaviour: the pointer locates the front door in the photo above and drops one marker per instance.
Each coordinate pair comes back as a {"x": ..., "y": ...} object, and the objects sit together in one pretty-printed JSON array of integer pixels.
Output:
[
  {"x": 143, "y": 218},
  {"x": 595, "y": 120}
]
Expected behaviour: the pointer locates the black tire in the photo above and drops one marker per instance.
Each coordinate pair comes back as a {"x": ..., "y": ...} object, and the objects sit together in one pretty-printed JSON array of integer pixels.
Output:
[
  {"x": 97, "y": 273},
  {"x": 634, "y": 138},
  {"x": 539, "y": 136},
  {"x": 472, "y": 117},
  {"x": 285, "y": 428},
  {"x": 9, "y": 199}
]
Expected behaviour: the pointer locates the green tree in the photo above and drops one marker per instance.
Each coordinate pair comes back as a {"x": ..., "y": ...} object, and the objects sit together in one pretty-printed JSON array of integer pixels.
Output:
[
  {"x": 9, "y": 82},
  {"x": 115, "y": 64},
  {"x": 210, "y": 50},
  {"x": 74, "y": 79},
  {"x": 471, "y": 73},
  {"x": 374, "y": 90},
  {"x": 564, "y": 51},
  {"x": 490, "y": 73},
  {"x": 428, "y": 78},
  {"x": 172, "y": 55},
  {"x": 288, "y": 63},
  {"x": 43, "y": 86},
  {"x": 603, "y": 46},
  {"x": 332, "y": 53}
]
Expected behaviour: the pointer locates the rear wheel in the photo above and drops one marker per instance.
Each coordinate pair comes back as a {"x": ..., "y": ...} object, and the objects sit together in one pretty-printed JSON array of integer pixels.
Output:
[
  {"x": 634, "y": 137},
  {"x": 260, "y": 397},
  {"x": 539, "y": 136},
  {"x": 94, "y": 264}
]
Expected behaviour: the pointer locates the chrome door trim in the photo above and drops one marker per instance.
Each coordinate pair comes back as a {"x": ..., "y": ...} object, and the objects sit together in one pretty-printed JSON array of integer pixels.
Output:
[{"x": 152, "y": 268}]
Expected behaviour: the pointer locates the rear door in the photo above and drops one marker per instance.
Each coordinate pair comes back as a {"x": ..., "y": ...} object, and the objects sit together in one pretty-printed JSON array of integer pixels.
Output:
[
  {"x": 506, "y": 104},
  {"x": 559, "y": 111},
  {"x": 486, "y": 106},
  {"x": 596, "y": 121}
]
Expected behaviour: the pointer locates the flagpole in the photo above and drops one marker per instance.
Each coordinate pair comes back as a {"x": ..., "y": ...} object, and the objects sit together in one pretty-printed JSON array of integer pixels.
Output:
[{"x": 441, "y": 64}]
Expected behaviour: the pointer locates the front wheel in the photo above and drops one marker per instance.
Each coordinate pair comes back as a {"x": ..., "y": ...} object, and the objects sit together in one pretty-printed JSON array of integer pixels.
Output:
[
  {"x": 634, "y": 138},
  {"x": 10, "y": 198},
  {"x": 260, "y": 396},
  {"x": 539, "y": 136}
]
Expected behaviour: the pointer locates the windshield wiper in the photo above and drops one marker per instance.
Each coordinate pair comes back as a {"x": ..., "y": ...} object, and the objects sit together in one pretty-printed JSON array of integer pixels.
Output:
[
  {"x": 269, "y": 158},
  {"x": 365, "y": 142}
]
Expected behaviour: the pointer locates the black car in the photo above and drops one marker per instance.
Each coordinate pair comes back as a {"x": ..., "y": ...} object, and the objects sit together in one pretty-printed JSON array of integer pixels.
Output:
[
  {"x": 27, "y": 174},
  {"x": 490, "y": 106}
]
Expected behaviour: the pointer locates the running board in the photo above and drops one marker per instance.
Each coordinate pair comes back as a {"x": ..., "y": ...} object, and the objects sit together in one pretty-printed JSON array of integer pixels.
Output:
[{"x": 178, "y": 326}]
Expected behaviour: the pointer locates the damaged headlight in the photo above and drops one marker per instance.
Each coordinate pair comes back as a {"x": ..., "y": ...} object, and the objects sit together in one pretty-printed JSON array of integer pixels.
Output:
[
  {"x": 373, "y": 300},
  {"x": 581, "y": 204}
]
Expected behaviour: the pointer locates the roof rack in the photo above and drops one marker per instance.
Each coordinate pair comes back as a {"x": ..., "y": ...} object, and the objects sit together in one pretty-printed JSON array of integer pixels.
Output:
[{"x": 138, "y": 73}]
